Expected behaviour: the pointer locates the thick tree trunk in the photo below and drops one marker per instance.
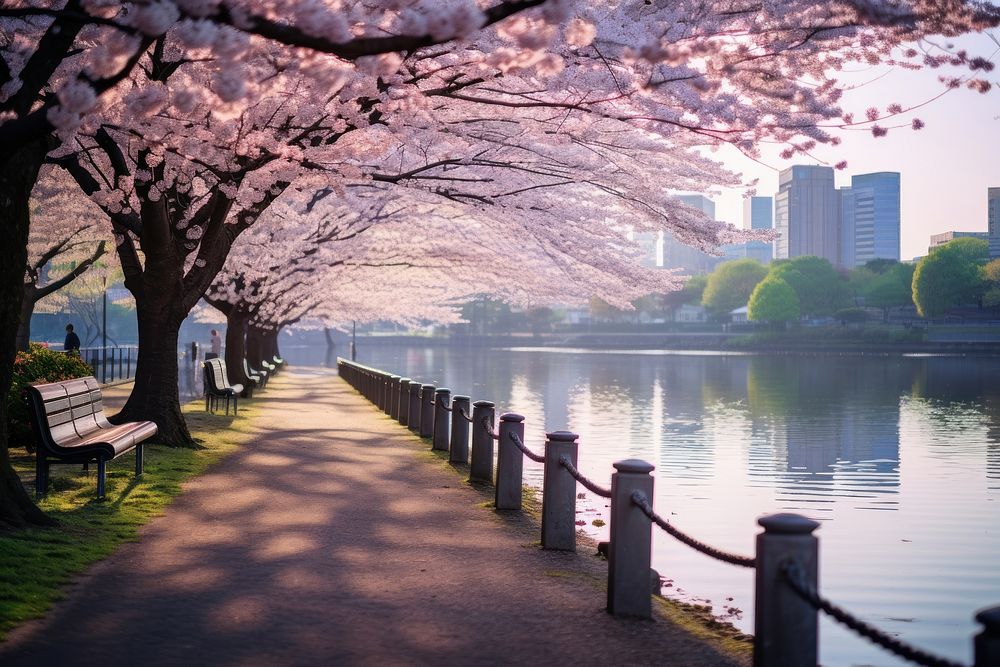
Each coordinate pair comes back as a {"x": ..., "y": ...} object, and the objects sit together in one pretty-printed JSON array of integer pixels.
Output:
[
  {"x": 155, "y": 395},
  {"x": 236, "y": 324},
  {"x": 18, "y": 173},
  {"x": 255, "y": 346},
  {"x": 24, "y": 324}
]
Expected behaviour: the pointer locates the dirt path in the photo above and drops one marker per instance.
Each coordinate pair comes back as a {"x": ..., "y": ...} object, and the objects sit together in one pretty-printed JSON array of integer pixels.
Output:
[{"x": 331, "y": 538}]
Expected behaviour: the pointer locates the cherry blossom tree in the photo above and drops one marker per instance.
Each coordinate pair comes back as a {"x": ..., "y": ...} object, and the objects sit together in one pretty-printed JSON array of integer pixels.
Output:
[
  {"x": 68, "y": 236},
  {"x": 562, "y": 112}
]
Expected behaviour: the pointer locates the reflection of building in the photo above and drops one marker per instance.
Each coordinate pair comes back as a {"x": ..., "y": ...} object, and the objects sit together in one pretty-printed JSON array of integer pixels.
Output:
[
  {"x": 758, "y": 213},
  {"x": 941, "y": 239},
  {"x": 993, "y": 220},
  {"x": 807, "y": 214}
]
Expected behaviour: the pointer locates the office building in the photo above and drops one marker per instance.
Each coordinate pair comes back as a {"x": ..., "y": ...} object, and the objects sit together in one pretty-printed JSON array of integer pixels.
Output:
[
  {"x": 870, "y": 219},
  {"x": 758, "y": 213},
  {"x": 944, "y": 237},
  {"x": 993, "y": 220},
  {"x": 807, "y": 214},
  {"x": 677, "y": 255}
]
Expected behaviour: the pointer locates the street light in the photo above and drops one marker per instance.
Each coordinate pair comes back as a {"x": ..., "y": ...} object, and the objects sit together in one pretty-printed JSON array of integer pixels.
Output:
[{"x": 104, "y": 332}]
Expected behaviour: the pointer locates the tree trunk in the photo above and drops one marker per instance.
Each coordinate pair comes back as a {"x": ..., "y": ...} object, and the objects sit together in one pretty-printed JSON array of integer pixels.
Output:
[
  {"x": 18, "y": 173},
  {"x": 155, "y": 395},
  {"x": 255, "y": 346},
  {"x": 24, "y": 324},
  {"x": 236, "y": 324}
]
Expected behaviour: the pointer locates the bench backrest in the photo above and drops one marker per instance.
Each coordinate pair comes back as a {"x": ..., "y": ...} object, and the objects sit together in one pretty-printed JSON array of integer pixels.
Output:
[
  {"x": 249, "y": 372},
  {"x": 216, "y": 377},
  {"x": 63, "y": 411}
]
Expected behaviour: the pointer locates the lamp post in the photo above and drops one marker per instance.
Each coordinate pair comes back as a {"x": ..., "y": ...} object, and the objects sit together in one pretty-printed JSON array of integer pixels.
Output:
[{"x": 104, "y": 332}]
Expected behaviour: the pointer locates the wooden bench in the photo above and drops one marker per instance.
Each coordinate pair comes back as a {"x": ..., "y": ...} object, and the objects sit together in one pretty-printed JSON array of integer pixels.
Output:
[
  {"x": 255, "y": 378},
  {"x": 217, "y": 386},
  {"x": 70, "y": 427}
]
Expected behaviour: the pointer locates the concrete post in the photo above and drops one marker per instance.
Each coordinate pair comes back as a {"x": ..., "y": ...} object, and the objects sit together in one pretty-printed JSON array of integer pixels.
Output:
[
  {"x": 393, "y": 407},
  {"x": 510, "y": 462},
  {"x": 459, "y": 446},
  {"x": 380, "y": 390},
  {"x": 629, "y": 551},
  {"x": 426, "y": 411},
  {"x": 987, "y": 642},
  {"x": 404, "y": 401},
  {"x": 481, "y": 468},
  {"x": 442, "y": 397},
  {"x": 786, "y": 630},
  {"x": 559, "y": 493},
  {"x": 414, "y": 413}
]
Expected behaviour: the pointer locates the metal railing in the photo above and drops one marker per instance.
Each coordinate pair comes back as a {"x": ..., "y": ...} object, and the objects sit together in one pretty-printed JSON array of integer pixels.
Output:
[
  {"x": 111, "y": 364},
  {"x": 786, "y": 563}
]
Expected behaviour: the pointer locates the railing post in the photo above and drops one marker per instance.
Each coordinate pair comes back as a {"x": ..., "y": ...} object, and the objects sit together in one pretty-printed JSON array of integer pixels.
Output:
[
  {"x": 481, "y": 467},
  {"x": 403, "y": 400},
  {"x": 510, "y": 462},
  {"x": 559, "y": 493},
  {"x": 987, "y": 642},
  {"x": 629, "y": 588},
  {"x": 459, "y": 446},
  {"x": 392, "y": 406},
  {"x": 427, "y": 410},
  {"x": 442, "y": 397},
  {"x": 785, "y": 626},
  {"x": 380, "y": 390},
  {"x": 414, "y": 411}
]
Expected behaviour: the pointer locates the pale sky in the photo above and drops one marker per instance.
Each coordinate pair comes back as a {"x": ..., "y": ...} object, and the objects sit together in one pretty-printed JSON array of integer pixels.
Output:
[{"x": 945, "y": 168}]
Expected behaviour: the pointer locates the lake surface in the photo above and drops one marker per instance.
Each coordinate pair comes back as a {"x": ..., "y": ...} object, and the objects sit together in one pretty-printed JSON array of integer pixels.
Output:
[{"x": 897, "y": 457}]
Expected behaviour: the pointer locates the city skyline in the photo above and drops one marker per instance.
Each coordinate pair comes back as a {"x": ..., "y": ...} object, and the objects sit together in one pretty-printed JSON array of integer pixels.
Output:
[{"x": 946, "y": 168}]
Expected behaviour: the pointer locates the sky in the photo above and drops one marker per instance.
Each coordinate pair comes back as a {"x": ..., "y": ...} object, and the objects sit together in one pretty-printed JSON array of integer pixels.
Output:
[{"x": 945, "y": 168}]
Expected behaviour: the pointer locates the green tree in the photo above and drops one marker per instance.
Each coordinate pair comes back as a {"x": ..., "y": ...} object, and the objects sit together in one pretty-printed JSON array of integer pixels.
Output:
[
  {"x": 773, "y": 300},
  {"x": 991, "y": 275},
  {"x": 893, "y": 287},
  {"x": 949, "y": 276},
  {"x": 730, "y": 285},
  {"x": 821, "y": 289}
]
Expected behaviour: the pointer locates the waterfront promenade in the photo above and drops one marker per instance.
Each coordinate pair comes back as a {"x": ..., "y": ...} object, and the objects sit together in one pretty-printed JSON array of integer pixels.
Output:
[{"x": 335, "y": 537}]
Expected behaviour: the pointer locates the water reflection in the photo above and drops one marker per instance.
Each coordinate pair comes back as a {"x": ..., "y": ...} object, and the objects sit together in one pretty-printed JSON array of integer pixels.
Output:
[{"x": 898, "y": 456}]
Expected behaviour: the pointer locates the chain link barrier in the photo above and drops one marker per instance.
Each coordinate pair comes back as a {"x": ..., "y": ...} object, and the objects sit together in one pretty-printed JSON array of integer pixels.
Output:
[
  {"x": 516, "y": 439},
  {"x": 567, "y": 463},
  {"x": 639, "y": 498},
  {"x": 465, "y": 414},
  {"x": 440, "y": 402},
  {"x": 796, "y": 579}
]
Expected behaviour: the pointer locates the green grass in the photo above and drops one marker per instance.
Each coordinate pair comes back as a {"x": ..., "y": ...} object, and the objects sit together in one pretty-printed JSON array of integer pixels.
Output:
[{"x": 36, "y": 564}]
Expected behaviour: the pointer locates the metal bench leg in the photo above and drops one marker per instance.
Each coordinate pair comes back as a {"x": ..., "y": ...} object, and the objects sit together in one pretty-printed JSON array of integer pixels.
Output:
[
  {"x": 138, "y": 459},
  {"x": 102, "y": 466},
  {"x": 227, "y": 405},
  {"x": 207, "y": 399},
  {"x": 41, "y": 475},
  {"x": 86, "y": 467},
  {"x": 236, "y": 405}
]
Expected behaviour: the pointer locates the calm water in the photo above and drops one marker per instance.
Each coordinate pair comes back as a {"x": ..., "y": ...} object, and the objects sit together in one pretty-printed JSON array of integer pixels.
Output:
[{"x": 898, "y": 457}]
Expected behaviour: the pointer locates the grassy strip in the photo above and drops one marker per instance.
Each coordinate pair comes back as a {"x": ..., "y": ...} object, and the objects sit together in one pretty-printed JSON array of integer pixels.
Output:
[{"x": 37, "y": 563}]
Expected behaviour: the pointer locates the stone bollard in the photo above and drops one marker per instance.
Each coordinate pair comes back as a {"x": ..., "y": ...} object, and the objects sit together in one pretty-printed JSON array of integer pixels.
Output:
[
  {"x": 510, "y": 463},
  {"x": 459, "y": 445},
  {"x": 414, "y": 412},
  {"x": 481, "y": 468},
  {"x": 404, "y": 401},
  {"x": 392, "y": 408},
  {"x": 559, "y": 493},
  {"x": 785, "y": 626},
  {"x": 631, "y": 541},
  {"x": 442, "y": 397},
  {"x": 987, "y": 642},
  {"x": 426, "y": 411}
]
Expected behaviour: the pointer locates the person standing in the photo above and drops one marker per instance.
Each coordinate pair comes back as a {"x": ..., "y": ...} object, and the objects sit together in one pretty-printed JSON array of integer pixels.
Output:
[
  {"x": 216, "y": 346},
  {"x": 72, "y": 340}
]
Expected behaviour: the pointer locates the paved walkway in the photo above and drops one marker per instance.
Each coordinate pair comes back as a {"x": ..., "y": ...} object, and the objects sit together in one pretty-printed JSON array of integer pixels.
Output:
[{"x": 332, "y": 539}]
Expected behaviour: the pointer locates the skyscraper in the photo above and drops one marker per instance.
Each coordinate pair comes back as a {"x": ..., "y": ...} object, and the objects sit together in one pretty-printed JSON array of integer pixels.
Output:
[
  {"x": 677, "y": 255},
  {"x": 758, "y": 213},
  {"x": 870, "y": 219},
  {"x": 807, "y": 214},
  {"x": 993, "y": 220}
]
